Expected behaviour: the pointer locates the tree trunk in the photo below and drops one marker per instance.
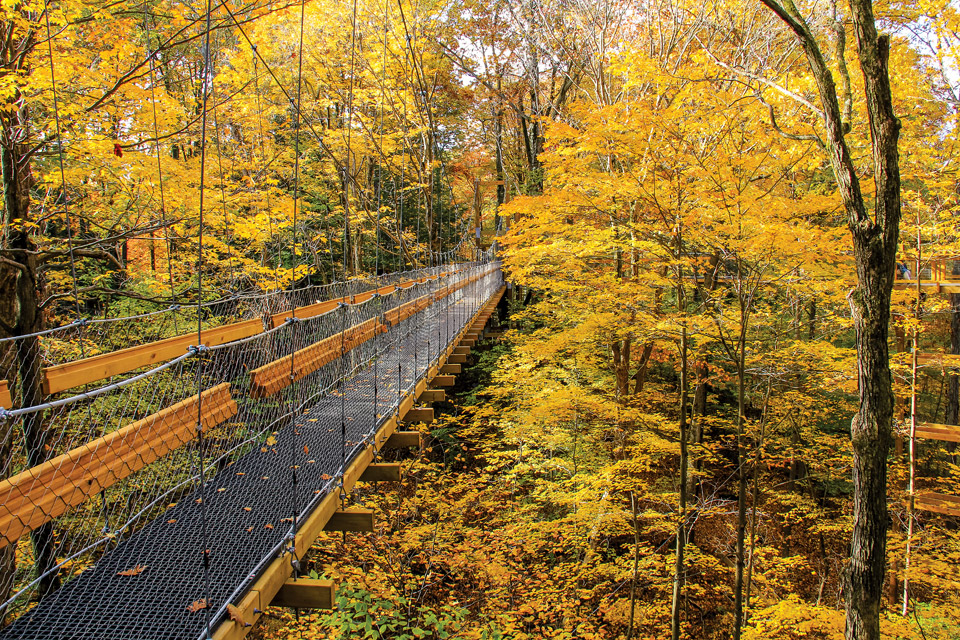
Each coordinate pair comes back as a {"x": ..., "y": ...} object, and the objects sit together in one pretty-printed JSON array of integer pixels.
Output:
[
  {"x": 874, "y": 245},
  {"x": 678, "y": 570},
  {"x": 17, "y": 181}
]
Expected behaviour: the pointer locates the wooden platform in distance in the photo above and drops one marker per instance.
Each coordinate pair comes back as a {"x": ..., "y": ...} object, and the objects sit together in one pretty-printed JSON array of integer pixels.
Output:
[
  {"x": 938, "y": 503},
  {"x": 305, "y": 593},
  {"x": 942, "y": 360},
  {"x": 933, "y": 431},
  {"x": 943, "y": 286}
]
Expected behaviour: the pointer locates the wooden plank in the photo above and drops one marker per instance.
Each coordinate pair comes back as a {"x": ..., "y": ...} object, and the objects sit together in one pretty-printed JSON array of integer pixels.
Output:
[
  {"x": 932, "y": 431},
  {"x": 80, "y": 372},
  {"x": 403, "y": 440},
  {"x": 279, "y": 374},
  {"x": 938, "y": 503},
  {"x": 450, "y": 368},
  {"x": 445, "y": 381},
  {"x": 457, "y": 358},
  {"x": 468, "y": 342},
  {"x": 381, "y": 472},
  {"x": 420, "y": 414},
  {"x": 6, "y": 401},
  {"x": 461, "y": 350},
  {"x": 350, "y": 520},
  {"x": 46, "y": 491},
  {"x": 433, "y": 395},
  {"x": 305, "y": 593}
]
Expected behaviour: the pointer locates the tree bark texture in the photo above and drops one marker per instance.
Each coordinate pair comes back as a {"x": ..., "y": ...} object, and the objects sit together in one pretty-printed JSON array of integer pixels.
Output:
[{"x": 874, "y": 244}]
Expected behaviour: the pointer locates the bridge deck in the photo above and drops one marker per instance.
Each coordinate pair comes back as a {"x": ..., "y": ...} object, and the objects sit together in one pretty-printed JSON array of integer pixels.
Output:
[{"x": 244, "y": 512}]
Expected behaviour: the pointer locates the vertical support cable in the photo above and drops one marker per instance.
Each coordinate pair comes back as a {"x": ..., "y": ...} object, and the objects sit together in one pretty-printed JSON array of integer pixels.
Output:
[
  {"x": 294, "y": 405},
  {"x": 348, "y": 175},
  {"x": 911, "y": 495},
  {"x": 43, "y": 535},
  {"x": 206, "y": 79}
]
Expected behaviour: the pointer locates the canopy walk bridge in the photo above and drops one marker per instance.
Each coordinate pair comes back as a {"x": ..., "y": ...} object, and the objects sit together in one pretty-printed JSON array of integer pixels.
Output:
[{"x": 171, "y": 489}]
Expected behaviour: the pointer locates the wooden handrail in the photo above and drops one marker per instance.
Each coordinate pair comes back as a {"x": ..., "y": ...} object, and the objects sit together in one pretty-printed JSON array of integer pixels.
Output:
[
  {"x": 279, "y": 374},
  {"x": 48, "y": 490},
  {"x": 80, "y": 372}
]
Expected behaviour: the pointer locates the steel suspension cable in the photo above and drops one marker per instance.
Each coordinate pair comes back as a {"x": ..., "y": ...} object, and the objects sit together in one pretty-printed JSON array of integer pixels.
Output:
[
  {"x": 349, "y": 159},
  {"x": 207, "y": 80},
  {"x": 294, "y": 329}
]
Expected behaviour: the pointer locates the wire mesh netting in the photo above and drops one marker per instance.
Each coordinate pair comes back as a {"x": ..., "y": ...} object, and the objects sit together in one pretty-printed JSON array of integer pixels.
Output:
[{"x": 124, "y": 504}]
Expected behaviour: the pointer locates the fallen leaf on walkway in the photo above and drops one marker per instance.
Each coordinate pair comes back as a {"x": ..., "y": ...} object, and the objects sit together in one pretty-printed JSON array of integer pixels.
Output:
[
  {"x": 137, "y": 570},
  {"x": 197, "y": 605}
]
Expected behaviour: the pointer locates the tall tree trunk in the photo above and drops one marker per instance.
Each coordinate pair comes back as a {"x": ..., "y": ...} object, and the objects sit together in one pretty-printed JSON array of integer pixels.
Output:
[
  {"x": 874, "y": 245},
  {"x": 678, "y": 570},
  {"x": 17, "y": 181},
  {"x": 741, "y": 475}
]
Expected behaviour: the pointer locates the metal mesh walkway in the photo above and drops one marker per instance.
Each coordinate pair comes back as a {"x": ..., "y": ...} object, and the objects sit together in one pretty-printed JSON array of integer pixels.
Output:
[{"x": 277, "y": 457}]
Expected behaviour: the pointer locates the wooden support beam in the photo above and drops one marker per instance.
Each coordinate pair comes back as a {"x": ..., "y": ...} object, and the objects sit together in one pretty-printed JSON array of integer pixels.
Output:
[
  {"x": 433, "y": 395},
  {"x": 403, "y": 440},
  {"x": 932, "y": 431},
  {"x": 457, "y": 358},
  {"x": 6, "y": 401},
  {"x": 382, "y": 472},
  {"x": 468, "y": 342},
  {"x": 938, "y": 503},
  {"x": 305, "y": 593},
  {"x": 350, "y": 520},
  {"x": 461, "y": 350},
  {"x": 50, "y": 489},
  {"x": 450, "y": 368},
  {"x": 420, "y": 414},
  {"x": 445, "y": 381}
]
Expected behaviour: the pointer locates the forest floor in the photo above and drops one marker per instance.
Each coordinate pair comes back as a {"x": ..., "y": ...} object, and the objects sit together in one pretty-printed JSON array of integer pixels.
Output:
[{"x": 493, "y": 537}]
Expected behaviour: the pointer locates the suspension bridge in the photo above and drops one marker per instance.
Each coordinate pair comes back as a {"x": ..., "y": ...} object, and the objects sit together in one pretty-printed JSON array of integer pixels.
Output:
[{"x": 180, "y": 500}]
